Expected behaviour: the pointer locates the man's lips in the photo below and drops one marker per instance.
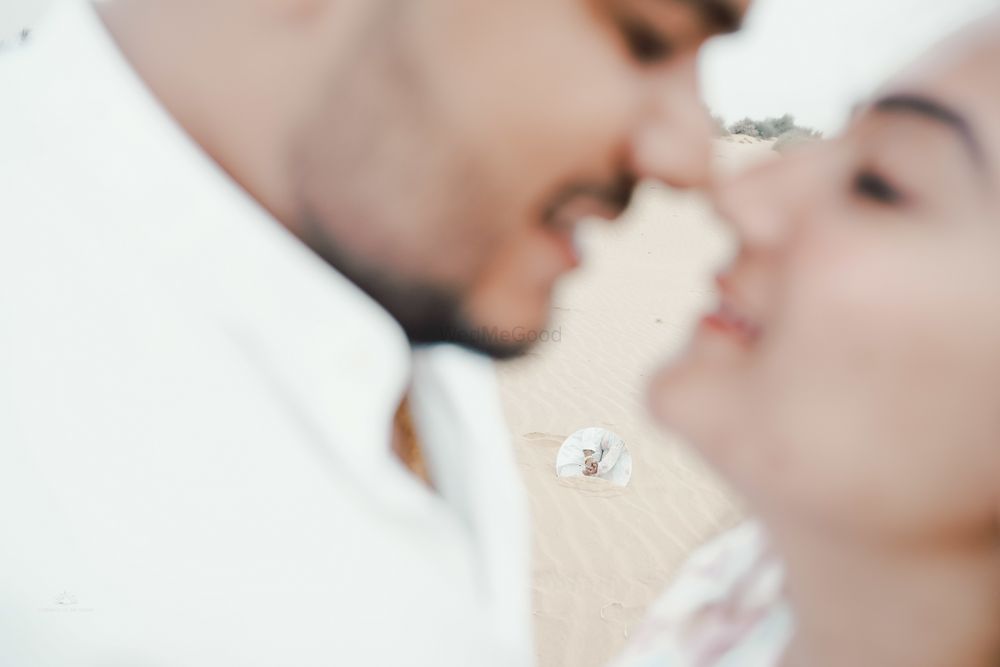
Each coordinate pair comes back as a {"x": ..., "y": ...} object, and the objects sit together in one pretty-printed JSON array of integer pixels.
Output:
[
  {"x": 585, "y": 206},
  {"x": 728, "y": 318},
  {"x": 563, "y": 240},
  {"x": 562, "y": 227}
]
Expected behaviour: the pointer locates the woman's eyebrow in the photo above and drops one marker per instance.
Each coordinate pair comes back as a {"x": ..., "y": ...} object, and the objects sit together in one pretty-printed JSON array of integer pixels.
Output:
[{"x": 939, "y": 112}]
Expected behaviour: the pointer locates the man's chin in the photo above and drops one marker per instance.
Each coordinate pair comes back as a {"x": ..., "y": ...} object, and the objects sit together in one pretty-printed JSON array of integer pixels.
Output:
[{"x": 500, "y": 352}]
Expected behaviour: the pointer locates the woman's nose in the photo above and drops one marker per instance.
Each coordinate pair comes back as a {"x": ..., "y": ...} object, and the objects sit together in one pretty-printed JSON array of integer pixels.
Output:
[{"x": 763, "y": 202}]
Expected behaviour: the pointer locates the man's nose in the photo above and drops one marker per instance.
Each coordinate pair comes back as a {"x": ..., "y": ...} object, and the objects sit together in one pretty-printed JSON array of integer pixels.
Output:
[{"x": 671, "y": 141}]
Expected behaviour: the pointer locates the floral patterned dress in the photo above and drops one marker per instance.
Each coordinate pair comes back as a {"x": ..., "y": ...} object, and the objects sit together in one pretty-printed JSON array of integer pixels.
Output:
[{"x": 725, "y": 609}]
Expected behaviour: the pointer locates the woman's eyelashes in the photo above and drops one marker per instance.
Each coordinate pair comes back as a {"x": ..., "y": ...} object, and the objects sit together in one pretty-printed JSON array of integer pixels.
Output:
[{"x": 874, "y": 187}]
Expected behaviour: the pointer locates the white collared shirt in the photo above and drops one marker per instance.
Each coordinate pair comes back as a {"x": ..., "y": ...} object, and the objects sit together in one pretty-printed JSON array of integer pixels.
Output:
[{"x": 195, "y": 415}]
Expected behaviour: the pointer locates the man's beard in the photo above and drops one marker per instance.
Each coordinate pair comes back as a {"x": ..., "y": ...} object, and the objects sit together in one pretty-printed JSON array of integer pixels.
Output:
[{"x": 428, "y": 313}]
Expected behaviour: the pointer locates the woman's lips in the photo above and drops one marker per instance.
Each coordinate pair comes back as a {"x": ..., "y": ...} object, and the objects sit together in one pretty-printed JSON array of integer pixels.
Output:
[{"x": 728, "y": 319}]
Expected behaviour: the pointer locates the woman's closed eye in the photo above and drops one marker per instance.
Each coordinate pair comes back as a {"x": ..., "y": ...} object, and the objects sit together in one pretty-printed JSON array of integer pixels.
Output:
[{"x": 874, "y": 187}]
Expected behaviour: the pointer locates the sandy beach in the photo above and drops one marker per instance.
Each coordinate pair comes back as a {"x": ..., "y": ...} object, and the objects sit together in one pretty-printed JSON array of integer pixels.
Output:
[{"x": 603, "y": 553}]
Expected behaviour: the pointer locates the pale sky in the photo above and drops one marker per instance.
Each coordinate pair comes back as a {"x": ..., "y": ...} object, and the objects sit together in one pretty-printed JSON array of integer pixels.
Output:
[
  {"x": 817, "y": 58},
  {"x": 812, "y": 58}
]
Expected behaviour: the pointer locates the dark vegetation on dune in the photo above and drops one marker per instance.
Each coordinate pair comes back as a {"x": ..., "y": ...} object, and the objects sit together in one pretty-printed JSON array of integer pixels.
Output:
[{"x": 782, "y": 129}]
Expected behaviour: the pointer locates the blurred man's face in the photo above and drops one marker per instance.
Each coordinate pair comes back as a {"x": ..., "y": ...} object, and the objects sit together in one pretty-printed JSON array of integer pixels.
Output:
[{"x": 448, "y": 166}]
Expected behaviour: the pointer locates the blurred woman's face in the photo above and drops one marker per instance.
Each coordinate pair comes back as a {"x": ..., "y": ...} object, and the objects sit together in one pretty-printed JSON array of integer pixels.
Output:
[{"x": 852, "y": 371}]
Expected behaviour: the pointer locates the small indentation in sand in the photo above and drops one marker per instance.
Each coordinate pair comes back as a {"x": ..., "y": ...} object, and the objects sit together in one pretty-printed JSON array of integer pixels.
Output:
[
  {"x": 592, "y": 486},
  {"x": 536, "y": 435},
  {"x": 615, "y": 613}
]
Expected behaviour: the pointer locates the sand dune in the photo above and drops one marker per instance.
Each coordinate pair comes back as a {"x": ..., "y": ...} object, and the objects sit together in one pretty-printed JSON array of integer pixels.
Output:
[{"x": 603, "y": 553}]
